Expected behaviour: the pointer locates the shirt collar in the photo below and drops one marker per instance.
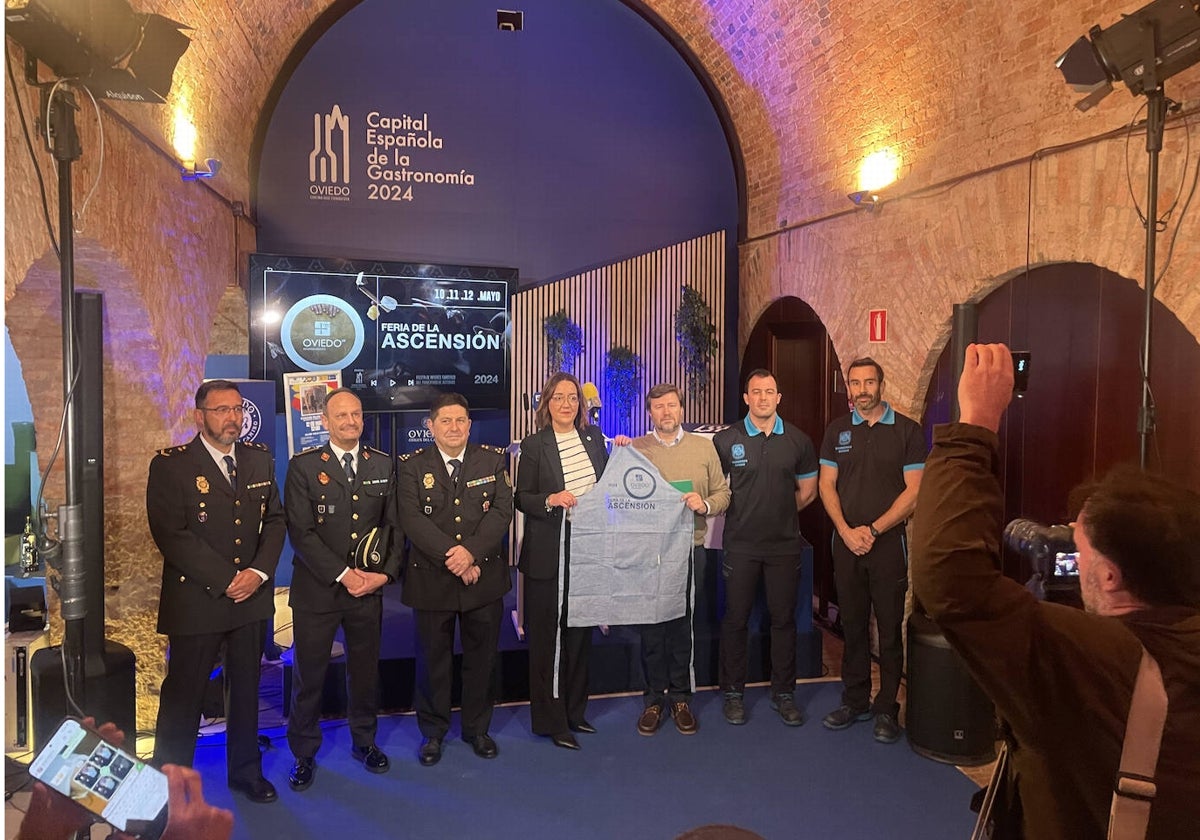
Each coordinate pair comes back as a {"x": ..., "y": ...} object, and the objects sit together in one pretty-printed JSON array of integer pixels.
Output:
[
  {"x": 217, "y": 455},
  {"x": 888, "y": 418},
  {"x": 339, "y": 452},
  {"x": 753, "y": 430},
  {"x": 678, "y": 437},
  {"x": 446, "y": 458}
]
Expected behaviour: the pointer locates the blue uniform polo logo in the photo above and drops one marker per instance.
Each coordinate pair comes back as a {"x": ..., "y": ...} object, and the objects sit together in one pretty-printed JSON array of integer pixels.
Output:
[
  {"x": 738, "y": 453},
  {"x": 844, "y": 438},
  {"x": 639, "y": 483}
]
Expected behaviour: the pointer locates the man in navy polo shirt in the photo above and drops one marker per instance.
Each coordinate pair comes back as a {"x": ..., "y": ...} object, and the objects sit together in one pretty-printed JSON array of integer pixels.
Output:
[
  {"x": 772, "y": 469},
  {"x": 871, "y": 465}
]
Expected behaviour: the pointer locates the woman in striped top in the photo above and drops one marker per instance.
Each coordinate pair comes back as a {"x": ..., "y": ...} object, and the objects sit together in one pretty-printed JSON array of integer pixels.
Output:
[{"x": 559, "y": 463}]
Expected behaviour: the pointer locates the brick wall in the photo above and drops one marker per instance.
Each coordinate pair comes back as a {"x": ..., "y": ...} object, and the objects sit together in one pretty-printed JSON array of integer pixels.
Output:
[{"x": 956, "y": 88}]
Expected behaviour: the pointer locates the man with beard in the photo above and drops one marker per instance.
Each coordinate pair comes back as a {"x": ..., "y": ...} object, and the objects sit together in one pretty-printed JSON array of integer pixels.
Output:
[
  {"x": 871, "y": 465},
  {"x": 335, "y": 495},
  {"x": 692, "y": 460},
  {"x": 215, "y": 515}
]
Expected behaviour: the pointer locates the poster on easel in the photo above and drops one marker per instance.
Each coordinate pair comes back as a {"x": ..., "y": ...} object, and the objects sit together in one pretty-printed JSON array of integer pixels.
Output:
[{"x": 306, "y": 393}]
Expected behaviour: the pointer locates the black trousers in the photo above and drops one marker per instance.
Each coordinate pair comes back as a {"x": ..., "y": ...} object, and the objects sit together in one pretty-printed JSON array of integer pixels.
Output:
[
  {"x": 480, "y": 632},
  {"x": 667, "y": 647},
  {"x": 313, "y": 633},
  {"x": 780, "y": 577},
  {"x": 549, "y": 715},
  {"x": 188, "y": 670},
  {"x": 879, "y": 580}
]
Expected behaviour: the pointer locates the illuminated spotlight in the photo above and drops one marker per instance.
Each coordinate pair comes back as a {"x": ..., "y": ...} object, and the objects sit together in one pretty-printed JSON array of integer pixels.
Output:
[
  {"x": 195, "y": 173},
  {"x": 1167, "y": 32},
  {"x": 116, "y": 52}
]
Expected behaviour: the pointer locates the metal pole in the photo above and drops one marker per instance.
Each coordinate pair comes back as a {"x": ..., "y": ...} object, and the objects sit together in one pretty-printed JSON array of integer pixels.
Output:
[{"x": 1156, "y": 114}]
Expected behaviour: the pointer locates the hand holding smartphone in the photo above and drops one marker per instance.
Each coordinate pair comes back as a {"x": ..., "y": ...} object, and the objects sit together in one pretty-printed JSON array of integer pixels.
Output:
[{"x": 93, "y": 772}]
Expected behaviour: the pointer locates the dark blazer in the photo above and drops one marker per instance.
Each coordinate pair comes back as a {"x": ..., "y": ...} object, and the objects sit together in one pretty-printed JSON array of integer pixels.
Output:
[
  {"x": 207, "y": 534},
  {"x": 435, "y": 519},
  {"x": 326, "y": 517},
  {"x": 540, "y": 473}
]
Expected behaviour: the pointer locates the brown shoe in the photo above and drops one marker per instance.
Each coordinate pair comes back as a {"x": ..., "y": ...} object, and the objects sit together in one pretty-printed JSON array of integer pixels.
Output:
[
  {"x": 685, "y": 721},
  {"x": 650, "y": 720}
]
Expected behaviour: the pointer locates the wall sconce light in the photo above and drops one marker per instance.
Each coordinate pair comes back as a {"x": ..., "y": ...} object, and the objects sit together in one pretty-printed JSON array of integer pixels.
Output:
[
  {"x": 195, "y": 173},
  {"x": 865, "y": 199},
  {"x": 877, "y": 170}
]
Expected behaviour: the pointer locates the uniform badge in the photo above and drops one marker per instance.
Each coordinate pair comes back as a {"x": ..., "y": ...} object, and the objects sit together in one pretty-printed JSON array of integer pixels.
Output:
[
  {"x": 843, "y": 438},
  {"x": 324, "y": 456},
  {"x": 487, "y": 506},
  {"x": 202, "y": 516},
  {"x": 365, "y": 454},
  {"x": 738, "y": 451},
  {"x": 428, "y": 509},
  {"x": 202, "y": 484},
  {"x": 427, "y": 480},
  {"x": 323, "y": 478},
  {"x": 320, "y": 508}
]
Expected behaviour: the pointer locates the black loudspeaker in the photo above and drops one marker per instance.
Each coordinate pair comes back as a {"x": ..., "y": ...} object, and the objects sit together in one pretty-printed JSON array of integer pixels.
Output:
[
  {"x": 949, "y": 719},
  {"x": 110, "y": 691}
]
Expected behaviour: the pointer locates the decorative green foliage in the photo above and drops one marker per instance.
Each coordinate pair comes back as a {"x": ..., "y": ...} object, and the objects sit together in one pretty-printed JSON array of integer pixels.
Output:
[
  {"x": 622, "y": 379},
  {"x": 697, "y": 337},
  {"x": 564, "y": 342}
]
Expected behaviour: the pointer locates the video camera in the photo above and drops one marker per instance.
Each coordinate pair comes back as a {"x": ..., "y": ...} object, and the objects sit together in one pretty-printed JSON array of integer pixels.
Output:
[{"x": 1051, "y": 551}]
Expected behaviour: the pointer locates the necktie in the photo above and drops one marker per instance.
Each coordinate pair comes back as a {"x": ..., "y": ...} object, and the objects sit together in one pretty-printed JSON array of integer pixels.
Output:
[
  {"x": 455, "y": 466},
  {"x": 231, "y": 470},
  {"x": 348, "y": 461}
]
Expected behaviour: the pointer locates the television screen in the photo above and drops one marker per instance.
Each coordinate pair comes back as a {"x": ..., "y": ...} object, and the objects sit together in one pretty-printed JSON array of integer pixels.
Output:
[{"x": 400, "y": 333}]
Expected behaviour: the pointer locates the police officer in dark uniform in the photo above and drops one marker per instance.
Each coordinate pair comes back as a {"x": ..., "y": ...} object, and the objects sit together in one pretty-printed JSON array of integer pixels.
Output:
[
  {"x": 456, "y": 504},
  {"x": 215, "y": 515},
  {"x": 335, "y": 495}
]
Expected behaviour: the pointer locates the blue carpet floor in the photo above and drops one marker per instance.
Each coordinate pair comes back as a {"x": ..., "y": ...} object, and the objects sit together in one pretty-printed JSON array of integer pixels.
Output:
[{"x": 780, "y": 782}]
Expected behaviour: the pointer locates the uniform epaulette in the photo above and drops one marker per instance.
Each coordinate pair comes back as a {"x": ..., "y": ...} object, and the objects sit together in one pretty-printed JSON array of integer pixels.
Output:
[
  {"x": 499, "y": 450},
  {"x": 407, "y": 455},
  {"x": 309, "y": 451},
  {"x": 173, "y": 450},
  {"x": 253, "y": 444},
  {"x": 374, "y": 451}
]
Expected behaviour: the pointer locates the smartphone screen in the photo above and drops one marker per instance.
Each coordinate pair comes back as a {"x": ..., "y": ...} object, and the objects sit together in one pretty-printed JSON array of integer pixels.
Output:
[
  {"x": 1021, "y": 360},
  {"x": 118, "y": 787}
]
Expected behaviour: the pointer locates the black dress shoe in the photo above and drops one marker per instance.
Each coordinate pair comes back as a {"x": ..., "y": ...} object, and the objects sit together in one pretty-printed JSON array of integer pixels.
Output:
[
  {"x": 430, "y": 752},
  {"x": 257, "y": 790},
  {"x": 483, "y": 745},
  {"x": 582, "y": 726},
  {"x": 302, "y": 773},
  {"x": 373, "y": 758},
  {"x": 565, "y": 740}
]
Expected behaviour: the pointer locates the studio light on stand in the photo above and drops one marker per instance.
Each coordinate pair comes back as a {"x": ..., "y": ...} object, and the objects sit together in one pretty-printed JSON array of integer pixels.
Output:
[
  {"x": 1142, "y": 50},
  {"x": 115, "y": 53}
]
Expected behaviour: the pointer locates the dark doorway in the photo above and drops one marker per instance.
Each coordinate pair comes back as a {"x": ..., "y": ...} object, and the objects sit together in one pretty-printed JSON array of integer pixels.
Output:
[
  {"x": 1083, "y": 325},
  {"x": 790, "y": 341}
]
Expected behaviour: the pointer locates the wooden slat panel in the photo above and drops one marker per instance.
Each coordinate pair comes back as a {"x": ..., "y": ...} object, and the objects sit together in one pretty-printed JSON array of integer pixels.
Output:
[{"x": 630, "y": 303}]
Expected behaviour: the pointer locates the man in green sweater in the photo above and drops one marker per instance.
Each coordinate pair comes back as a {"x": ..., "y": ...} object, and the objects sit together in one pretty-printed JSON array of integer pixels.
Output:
[{"x": 690, "y": 463}]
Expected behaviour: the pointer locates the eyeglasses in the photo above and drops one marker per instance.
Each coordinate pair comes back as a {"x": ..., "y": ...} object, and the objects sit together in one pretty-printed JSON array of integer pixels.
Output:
[
  {"x": 559, "y": 399},
  {"x": 224, "y": 411}
]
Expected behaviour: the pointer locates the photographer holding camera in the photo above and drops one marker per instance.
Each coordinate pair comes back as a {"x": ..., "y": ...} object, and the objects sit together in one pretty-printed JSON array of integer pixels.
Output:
[{"x": 1063, "y": 679}]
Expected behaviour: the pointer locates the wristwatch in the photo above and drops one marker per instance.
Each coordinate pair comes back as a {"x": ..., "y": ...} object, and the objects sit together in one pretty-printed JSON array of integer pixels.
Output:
[{"x": 874, "y": 533}]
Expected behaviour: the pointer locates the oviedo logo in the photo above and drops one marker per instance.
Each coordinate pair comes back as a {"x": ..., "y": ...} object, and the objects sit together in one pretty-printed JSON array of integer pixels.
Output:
[
  {"x": 251, "y": 420},
  {"x": 322, "y": 332},
  {"x": 329, "y": 160},
  {"x": 639, "y": 483}
]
